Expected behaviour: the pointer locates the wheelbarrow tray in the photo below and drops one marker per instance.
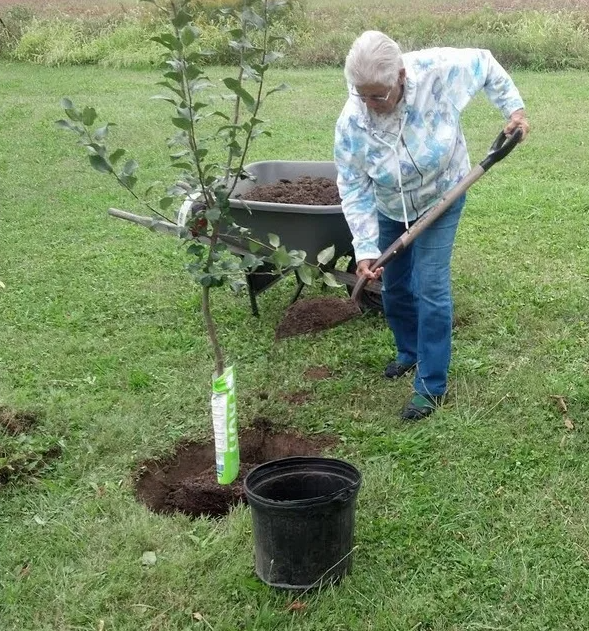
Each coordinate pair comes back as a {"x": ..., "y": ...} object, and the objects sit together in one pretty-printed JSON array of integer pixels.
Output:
[{"x": 299, "y": 226}]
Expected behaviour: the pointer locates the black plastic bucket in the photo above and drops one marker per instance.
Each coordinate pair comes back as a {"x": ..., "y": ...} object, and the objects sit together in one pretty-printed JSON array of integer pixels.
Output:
[{"x": 303, "y": 511}]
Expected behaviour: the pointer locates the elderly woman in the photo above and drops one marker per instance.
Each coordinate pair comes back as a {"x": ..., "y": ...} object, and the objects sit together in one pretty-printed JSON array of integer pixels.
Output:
[{"x": 399, "y": 148}]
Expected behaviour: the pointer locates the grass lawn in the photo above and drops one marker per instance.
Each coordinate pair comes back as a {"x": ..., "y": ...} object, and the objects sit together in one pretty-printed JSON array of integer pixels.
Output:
[{"x": 474, "y": 519}]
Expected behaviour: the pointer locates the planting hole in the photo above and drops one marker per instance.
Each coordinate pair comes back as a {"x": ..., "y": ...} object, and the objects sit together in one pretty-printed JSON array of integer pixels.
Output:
[{"x": 186, "y": 482}]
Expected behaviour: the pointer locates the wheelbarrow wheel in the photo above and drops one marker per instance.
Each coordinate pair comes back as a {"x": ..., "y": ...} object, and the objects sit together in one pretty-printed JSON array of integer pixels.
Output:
[{"x": 370, "y": 301}]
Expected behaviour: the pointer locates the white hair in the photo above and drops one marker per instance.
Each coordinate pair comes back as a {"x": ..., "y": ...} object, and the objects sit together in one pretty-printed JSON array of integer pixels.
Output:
[{"x": 373, "y": 58}]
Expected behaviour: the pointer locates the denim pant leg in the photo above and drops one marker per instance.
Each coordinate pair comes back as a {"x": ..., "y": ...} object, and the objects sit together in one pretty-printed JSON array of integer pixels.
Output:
[
  {"x": 399, "y": 302},
  {"x": 432, "y": 253}
]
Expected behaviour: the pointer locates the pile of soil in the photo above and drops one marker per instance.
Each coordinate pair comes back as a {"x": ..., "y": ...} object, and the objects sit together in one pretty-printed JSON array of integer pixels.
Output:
[
  {"x": 311, "y": 191},
  {"x": 315, "y": 314},
  {"x": 187, "y": 481}
]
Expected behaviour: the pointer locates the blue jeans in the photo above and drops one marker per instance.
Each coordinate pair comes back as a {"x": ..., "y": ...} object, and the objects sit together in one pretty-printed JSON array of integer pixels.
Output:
[{"x": 417, "y": 298}]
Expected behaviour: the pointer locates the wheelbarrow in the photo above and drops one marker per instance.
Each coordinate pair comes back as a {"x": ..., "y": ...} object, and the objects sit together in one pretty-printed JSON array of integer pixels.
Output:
[{"x": 311, "y": 228}]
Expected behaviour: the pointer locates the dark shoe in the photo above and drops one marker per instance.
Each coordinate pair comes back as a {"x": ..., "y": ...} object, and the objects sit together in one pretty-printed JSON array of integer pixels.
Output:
[
  {"x": 420, "y": 406},
  {"x": 395, "y": 370}
]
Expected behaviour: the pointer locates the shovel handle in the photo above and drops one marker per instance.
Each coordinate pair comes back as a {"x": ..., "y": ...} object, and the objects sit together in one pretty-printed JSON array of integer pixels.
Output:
[{"x": 502, "y": 146}]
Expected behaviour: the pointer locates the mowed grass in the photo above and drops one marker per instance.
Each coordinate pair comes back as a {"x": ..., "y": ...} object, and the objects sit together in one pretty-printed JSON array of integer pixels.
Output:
[{"x": 474, "y": 519}]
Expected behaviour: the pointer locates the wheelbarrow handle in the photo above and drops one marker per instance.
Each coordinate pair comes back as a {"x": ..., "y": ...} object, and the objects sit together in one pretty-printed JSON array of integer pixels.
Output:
[{"x": 502, "y": 146}]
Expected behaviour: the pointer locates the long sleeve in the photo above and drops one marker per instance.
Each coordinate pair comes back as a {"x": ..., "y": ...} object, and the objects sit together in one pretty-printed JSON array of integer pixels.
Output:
[
  {"x": 356, "y": 191},
  {"x": 467, "y": 71}
]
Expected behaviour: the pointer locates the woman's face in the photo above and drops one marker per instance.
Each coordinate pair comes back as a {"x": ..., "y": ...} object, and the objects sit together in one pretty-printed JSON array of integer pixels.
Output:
[{"x": 379, "y": 98}]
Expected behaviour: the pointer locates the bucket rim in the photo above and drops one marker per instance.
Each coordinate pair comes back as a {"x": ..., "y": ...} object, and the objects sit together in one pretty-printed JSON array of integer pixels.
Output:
[{"x": 345, "y": 493}]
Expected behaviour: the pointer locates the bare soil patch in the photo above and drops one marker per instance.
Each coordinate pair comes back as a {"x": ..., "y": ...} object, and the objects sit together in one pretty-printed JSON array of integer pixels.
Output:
[
  {"x": 186, "y": 482},
  {"x": 317, "y": 373},
  {"x": 297, "y": 398},
  {"x": 312, "y": 191}
]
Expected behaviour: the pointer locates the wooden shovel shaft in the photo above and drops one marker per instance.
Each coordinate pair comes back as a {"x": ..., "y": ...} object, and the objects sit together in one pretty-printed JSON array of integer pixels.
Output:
[{"x": 419, "y": 226}]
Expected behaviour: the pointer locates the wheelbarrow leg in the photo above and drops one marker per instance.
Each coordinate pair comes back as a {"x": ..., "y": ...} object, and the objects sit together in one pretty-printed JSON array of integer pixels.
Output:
[{"x": 252, "y": 294}]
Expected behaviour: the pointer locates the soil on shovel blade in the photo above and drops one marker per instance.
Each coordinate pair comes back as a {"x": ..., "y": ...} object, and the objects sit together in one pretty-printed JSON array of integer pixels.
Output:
[
  {"x": 310, "y": 191},
  {"x": 186, "y": 482},
  {"x": 315, "y": 314}
]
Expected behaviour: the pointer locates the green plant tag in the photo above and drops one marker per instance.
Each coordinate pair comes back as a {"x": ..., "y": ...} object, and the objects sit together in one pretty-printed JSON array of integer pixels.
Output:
[{"x": 224, "y": 411}]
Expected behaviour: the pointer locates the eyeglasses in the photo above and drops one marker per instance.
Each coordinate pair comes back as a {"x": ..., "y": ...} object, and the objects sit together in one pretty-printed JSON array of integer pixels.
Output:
[{"x": 370, "y": 97}]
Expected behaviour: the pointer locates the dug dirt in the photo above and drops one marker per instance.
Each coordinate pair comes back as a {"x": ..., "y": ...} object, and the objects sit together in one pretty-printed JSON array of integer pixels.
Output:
[
  {"x": 186, "y": 482},
  {"x": 315, "y": 314},
  {"x": 309, "y": 191}
]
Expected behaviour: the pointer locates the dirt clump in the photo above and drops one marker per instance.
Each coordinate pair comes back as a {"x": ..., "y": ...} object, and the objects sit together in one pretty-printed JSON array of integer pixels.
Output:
[
  {"x": 315, "y": 314},
  {"x": 186, "y": 482},
  {"x": 310, "y": 191}
]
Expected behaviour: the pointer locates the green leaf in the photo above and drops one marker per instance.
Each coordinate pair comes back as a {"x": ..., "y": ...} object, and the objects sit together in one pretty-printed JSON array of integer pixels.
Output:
[
  {"x": 165, "y": 202},
  {"x": 273, "y": 240},
  {"x": 189, "y": 34},
  {"x": 272, "y": 56},
  {"x": 182, "y": 165},
  {"x": 130, "y": 167},
  {"x": 67, "y": 104},
  {"x": 250, "y": 262},
  {"x": 213, "y": 214},
  {"x": 163, "y": 97},
  {"x": 305, "y": 274},
  {"x": 196, "y": 249},
  {"x": 88, "y": 116},
  {"x": 251, "y": 17},
  {"x": 182, "y": 123},
  {"x": 63, "y": 124},
  {"x": 326, "y": 255},
  {"x": 102, "y": 132},
  {"x": 128, "y": 181},
  {"x": 235, "y": 86},
  {"x": 281, "y": 258},
  {"x": 254, "y": 246},
  {"x": 281, "y": 88},
  {"x": 221, "y": 114},
  {"x": 179, "y": 154},
  {"x": 115, "y": 156},
  {"x": 168, "y": 41},
  {"x": 330, "y": 280},
  {"x": 251, "y": 73},
  {"x": 100, "y": 164},
  {"x": 181, "y": 19}
]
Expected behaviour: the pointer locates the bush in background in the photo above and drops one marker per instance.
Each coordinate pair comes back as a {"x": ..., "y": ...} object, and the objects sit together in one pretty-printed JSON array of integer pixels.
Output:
[{"x": 537, "y": 40}]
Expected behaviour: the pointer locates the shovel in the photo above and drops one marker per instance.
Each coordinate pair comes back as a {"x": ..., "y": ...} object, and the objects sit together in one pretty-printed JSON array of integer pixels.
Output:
[{"x": 299, "y": 319}]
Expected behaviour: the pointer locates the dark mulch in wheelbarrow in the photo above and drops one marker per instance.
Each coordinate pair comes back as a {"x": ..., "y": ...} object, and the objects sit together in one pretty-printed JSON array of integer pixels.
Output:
[
  {"x": 311, "y": 191},
  {"x": 186, "y": 482}
]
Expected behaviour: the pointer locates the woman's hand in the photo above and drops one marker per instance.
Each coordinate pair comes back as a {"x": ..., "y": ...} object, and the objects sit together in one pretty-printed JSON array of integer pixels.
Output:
[
  {"x": 363, "y": 270},
  {"x": 517, "y": 119}
]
